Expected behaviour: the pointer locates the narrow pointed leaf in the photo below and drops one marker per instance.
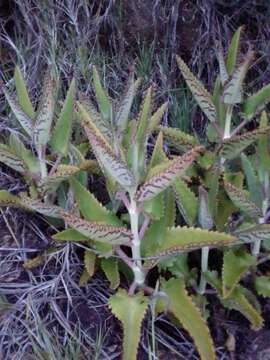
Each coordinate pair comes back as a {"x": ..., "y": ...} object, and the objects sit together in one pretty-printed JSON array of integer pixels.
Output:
[
  {"x": 98, "y": 231},
  {"x": 22, "y": 94},
  {"x": 102, "y": 98},
  {"x": 182, "y": 239},
  {"x": 233, "y": 51},
  {"x": 186, "y": 201},
  {"x": 253, "y": 233},
  {"x": 89, "y": 262},
  {"x": 44, "y": 118},
  {"x": 201, "y": 95},
  {"x": 62, "y": 130},
  {"x": 101, "y": 124},
  {"x": 182, "y": 307},
  {"x": 235, "y": 265},
  {"x": 157, "y": 116},
  {"x": 235, "y": 145},
  {"x": 222, "y": 66},
  {"x": 130, "y": 310},
  {"x": 8, "y": 158},
  {"x": 70, "y": 235},
  {"x": 63, "y": 173},
  {"x": 204, "y": 215},
  {"x": 24, "y": 120},
  {"x": 165, "y": 174},
  {"x": 89, "y": 206},
  {"x": 233, "y": 90},
  {"x": 104, "y": 154},
  {"x": 242, "y": 202},
  {"x": 262, "y": 285},
  {"x": 110, "y": 268},
  {"x": 122, "y": 114},
  {"x": 256, "y": 102},
  {"x": 263, "y": 149},
  {"x": 178, "y": 138}
]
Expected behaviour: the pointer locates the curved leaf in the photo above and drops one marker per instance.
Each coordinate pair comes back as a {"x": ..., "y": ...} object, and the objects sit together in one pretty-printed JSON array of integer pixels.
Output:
[
  {"x": 22, "y": 94},
  {"x": 98, "y": 231},
  {"x": 201, "y": 95},
  {"x": 62, "y": 130},
  {"x": 262, "y": 285},
  {"x": 104, "y": 154},
  {"x": 8, "y": 158},
  {"x": 233, "y": 51},
  {"x": 182, "y": 307},
  {"x": 110, "y": 268},
  {"x": 102, "y": 98},
  {"x": 239, "y": 198},
  {"x": 178, "y": 138},
  {"x": 235, "y": 264},
  {"x": 256, "y": 102},
  {"x": 157, "y": 116},
  {"x": 63, "y": 173},
  {"x": 130, "y": 310},
  {"x": 186, "y": 201},
  {"x": 70, "y": 235},
  {"x": 42, "y": 127},
  {"x": 253, "y": 233},
  {"x": 165, "y": 174}
]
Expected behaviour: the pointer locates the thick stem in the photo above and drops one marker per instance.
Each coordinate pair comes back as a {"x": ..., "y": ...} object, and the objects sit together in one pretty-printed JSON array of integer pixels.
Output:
[
  {"x": 204, "y": 268},
  {"x": 139, "y": 275},
  {"x": 228, "y": 120}
]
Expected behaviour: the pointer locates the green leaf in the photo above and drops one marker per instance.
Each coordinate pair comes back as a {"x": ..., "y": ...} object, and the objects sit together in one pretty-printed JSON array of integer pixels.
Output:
[
  {"x": 89, "y": 262},
  {"x": 104, "y": 153},
  {"x": 186, "y": 201},
  {"x": 253, "y": 183},
  {"x": 239, "y": 198},
  {"x": 263, "y": 149},
  {"x": 163, "y": 175},
  {"x": 24, "y": 120},
  {"x": 40, "y": 207},
  {"x": 233, "y": 90},
  {"x": 256, "y": 102},
  {"x": 110, "y": 268},
  {"x": 64, "y": 172},
  {"x": 70, "y": 235},
  {"x": 253, "y": 233},
  {"x": 8, "y": 157},
  {"x": 235, "y": 145},
  {"x": 182, "y": 239},
  {"x": 122, "y": 114},
  {"x": 17, "y": 146},
  {"x": 101, "y": 124},
  {"x": 213, "y": 190},
  {"x": 235, "y": 265},
  {"x": 233, "y": 51},
  {"x": 62, "y": 130},
  {"x": 157, "y": 116},
  {"x": 182, "y": 307},
  {"x": 22, "y": 94},
  {"x": 98, "y": 231},
  {"x": 102, "y": 98},
  {"x": 178, "y": 138},
  {"x": 237, "y": 300},
  {"x": 262, "y": 285},
  {"x": 89, "y": 206},
  {"x": 130, "y": 310},
  {"x": 223, "y": 74},
  {"x": 201, "y": 95},
  {"x": 7, "y": 199},
  {"x": 44, "y": 118}
]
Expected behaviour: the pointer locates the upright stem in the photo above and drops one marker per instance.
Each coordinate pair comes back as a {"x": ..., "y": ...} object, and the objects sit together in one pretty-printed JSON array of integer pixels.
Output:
[
  {"x": 139, "y": 275},
  {"x": 228, "y": 120},
  {"x": 204, "y": 268}
]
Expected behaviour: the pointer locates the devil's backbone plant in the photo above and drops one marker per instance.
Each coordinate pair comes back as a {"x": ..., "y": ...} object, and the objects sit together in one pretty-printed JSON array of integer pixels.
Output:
[{"x": 141, "y": 188}]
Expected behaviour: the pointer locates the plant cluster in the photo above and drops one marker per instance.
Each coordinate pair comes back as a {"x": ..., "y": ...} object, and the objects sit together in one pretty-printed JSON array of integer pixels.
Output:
[{"x": 160, "y": 206}]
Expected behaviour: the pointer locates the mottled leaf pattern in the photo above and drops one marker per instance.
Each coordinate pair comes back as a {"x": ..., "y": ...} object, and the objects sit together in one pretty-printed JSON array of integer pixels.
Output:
[
  {"x": 8, "y": 157},
  {"x": 98, "y": 231},
  {"x": 178, "y": 138},
  {"x": 253, "y": 233},
  {"x": 44, "y": 118},
  {"x": 130, "y": 310},
  {"x": 201, "y": 95},
  {"x": 63, "y": 172},
  {"x": 233, "y": 89},
  {"x": 24, "y": 120},
  {"x": 165, "y": 174},
  {"x": 22, "y": 94},
  {"x": 185, "y": 311},
  {"x": 104, "y": 154},
  {"x": 241, "y": 201}
]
